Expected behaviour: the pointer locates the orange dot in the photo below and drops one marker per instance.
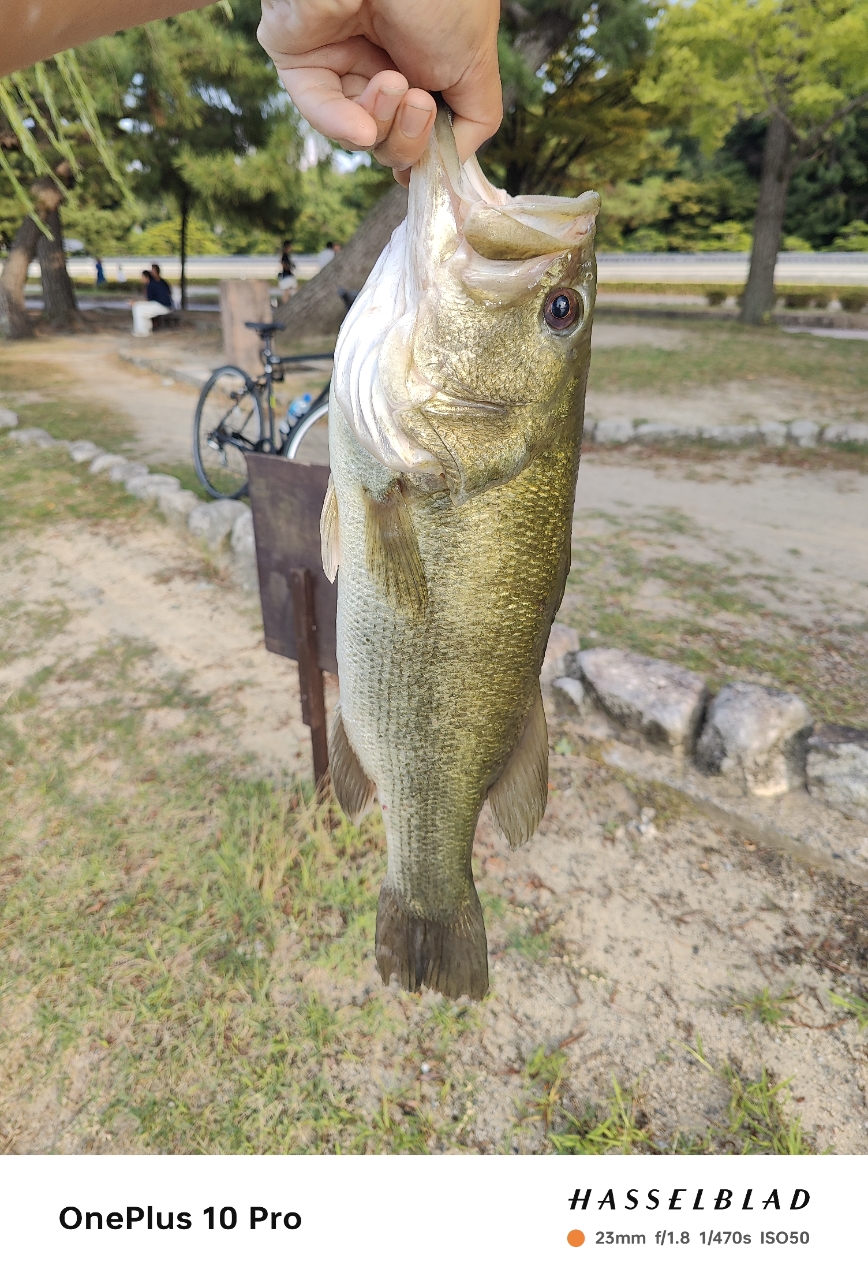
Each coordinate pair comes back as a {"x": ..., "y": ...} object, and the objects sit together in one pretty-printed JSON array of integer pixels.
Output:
[{"x": 575, "y": 1238}]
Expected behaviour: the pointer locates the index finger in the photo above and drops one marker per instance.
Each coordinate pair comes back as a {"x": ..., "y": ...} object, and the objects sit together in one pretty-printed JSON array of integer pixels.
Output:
[{"x": 313, "y": 82}]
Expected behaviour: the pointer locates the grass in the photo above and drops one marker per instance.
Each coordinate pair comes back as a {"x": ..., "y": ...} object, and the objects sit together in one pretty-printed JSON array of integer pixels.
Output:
[
  {"x": 756, "y": 1123},
  {"x": 183, "y": 944},
  {"x": 856, "y": 1006},
  {"x": 764, "y": 1007},
  {"x": 718, "y": 353},
  {"x": 724, "y": 619}
]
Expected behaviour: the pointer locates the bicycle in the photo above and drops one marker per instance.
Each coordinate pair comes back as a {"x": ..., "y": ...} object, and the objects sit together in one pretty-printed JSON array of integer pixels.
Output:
[{"x": 230, "y": 421}]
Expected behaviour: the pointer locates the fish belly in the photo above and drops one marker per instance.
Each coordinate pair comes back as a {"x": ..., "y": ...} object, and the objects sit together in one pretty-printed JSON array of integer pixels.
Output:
[{"x": 434, "y": 703}]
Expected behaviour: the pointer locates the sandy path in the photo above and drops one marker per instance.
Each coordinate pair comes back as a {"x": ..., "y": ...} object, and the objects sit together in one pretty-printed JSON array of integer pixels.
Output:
[
  {"x": 811, "y": 525},
  {"x": 153, "y": 589}
]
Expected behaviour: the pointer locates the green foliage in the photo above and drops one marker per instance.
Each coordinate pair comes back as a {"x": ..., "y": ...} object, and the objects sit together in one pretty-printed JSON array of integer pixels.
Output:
[
  {"x": 334, "y": 203},
  {"x": 718, "y": 61},
  {"x": 50, "y": 130},
  {"x": 582, "y": 107},
  {"x": 164, "y": 238},
  {"x": 695, "y": 206},
  {"x": 200, "y": 121},
  {"x": 853, "y": 238}
]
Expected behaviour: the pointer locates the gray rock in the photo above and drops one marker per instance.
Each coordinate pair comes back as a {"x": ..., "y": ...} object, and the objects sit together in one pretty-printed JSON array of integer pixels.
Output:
[
  {"x": 177, "y": 504},
  {"x": 613, "y": 431},
  {"x": 660, "y": 700},
  {"x": 213, "y": 521},
  {"x": 123, "y": 471},
  {"x": 730, "y": 435},
  {"x": 665, "y": 431},
  {"x": 804, "y": 433},
  {"x": 562, "y": 640},
  {"x": 242, "y": 539},
  {"x": 838, "y": 769},
  {"x": 150, "y": 486},
  {"x": 8, "y": 419},
  {"x": 103, "y": 461},
  {"x": 33, "y": 436},
  {"x": 774, "y": 434},
  {"x": 757, "y": 735},
  {"x": 571, "y": 693},
  {"x": 847, "y": 433},
  {"x": 83, "y": 450}
]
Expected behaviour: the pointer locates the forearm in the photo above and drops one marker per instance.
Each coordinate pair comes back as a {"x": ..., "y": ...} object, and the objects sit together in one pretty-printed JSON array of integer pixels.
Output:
[{"x": 31, "y": 30}]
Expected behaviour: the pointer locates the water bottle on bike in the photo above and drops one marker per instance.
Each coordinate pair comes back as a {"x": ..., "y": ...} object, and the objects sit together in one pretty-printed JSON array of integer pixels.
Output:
[{"x": 296, "y": 412}]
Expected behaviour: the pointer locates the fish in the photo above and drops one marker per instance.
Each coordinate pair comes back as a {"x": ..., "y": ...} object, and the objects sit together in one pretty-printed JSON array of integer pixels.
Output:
[{"x": 455, "y": 426}]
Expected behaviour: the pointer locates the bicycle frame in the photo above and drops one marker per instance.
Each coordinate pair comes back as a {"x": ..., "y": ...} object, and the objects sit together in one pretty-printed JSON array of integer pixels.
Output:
[{"x": 273, "y": 363}]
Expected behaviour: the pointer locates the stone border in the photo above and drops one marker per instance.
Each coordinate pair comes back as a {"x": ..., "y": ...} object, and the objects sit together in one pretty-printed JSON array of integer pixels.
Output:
[
  {"x": 802, "y": 432},
  {"x": 751, "y": 754},
  {"x": 220, "y": 526}
]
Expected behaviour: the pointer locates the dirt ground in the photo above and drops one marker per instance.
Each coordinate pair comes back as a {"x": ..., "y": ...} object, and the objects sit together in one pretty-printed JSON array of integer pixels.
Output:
[{"x": 629, "y": 936}]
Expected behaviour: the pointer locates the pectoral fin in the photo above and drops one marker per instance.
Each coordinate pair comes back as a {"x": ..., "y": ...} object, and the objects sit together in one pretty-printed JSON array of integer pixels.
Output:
[
  {"x": 329, "y": 533},
  {"x": 352, "y": 786},
  {"x": 518, "y": 798},
  {"x": 392, "y": 551}
]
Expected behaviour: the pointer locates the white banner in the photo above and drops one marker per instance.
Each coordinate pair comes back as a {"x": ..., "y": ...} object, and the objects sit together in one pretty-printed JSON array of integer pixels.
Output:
[{"x": 429, "y": 1216}]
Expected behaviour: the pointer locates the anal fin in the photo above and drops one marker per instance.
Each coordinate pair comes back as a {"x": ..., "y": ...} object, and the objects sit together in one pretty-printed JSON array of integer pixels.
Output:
[
  {"x": 329, "y": 532},
  {"x": 352, "y": 786},
  {"x": 446, "y": 956},
  {"x": 392, "y": 551},
  {"x": 518, "y": 798}
]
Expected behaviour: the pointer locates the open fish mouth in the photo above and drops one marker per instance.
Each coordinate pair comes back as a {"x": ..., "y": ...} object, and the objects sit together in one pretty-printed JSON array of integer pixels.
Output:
[{"x": 462, "y": 237}]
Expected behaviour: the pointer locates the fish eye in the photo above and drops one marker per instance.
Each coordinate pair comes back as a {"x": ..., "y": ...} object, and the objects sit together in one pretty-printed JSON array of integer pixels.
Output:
[{"x": 562, "y": 309}]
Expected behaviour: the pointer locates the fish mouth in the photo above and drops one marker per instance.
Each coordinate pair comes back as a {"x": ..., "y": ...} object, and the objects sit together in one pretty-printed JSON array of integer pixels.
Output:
[{"x": 497, "y": 247}]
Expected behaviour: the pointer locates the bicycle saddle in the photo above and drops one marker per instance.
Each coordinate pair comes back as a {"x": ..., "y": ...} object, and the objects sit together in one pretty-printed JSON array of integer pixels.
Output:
[{"x": 264, "y": 327}]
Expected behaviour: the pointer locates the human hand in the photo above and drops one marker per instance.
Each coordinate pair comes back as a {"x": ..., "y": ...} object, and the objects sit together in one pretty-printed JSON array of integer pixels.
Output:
[{"x": 348, "y": 66}]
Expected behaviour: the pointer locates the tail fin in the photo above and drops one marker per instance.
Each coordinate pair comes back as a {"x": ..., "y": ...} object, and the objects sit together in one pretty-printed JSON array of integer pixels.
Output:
[{"x": 450, "y": 958}]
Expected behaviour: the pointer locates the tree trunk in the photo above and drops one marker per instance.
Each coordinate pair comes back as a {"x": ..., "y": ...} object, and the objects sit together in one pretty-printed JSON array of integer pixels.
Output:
[
  {"x": 14, "y": 320},
  {"x": 537, "y": 44},
  {"x": 59, "y": 307},
  {"x": 185, "y": 217},
  {"x": 759, "y": 295},
  {"x": 317, "y": 308}
]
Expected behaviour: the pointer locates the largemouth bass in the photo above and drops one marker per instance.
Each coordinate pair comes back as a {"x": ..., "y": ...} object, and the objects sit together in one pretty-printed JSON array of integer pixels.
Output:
[{"x": 454, "y": 430}]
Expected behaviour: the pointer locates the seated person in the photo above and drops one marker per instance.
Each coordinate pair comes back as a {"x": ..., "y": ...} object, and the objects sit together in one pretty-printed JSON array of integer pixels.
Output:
[
  {"x": 156, "y": 291},
  {"x": 162, "y": 292}
]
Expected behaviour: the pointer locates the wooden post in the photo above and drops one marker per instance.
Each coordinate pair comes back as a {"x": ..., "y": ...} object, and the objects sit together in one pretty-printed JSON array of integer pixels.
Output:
[
  {"x": 309, "y": 674},
  {"x": 242, "y": 300}
]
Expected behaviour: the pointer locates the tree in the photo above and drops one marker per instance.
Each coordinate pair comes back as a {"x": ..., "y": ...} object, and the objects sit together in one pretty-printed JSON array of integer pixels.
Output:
[
  {"x": 48, "y": 122},
  {"x": 557, "y": 126},
  {"x": 533, "y": 35},
  {"x": 800, "y": 65},
  {"x": 201, "y": 120}
]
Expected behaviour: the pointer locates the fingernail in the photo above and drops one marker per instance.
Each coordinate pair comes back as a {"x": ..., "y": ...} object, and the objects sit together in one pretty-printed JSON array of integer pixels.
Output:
[
  {"x": 414, "y": 120},
  {"x": 387, "y": 104}
]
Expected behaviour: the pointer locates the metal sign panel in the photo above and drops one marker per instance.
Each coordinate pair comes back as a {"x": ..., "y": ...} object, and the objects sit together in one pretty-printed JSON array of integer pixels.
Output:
[{"x": 287, "y": 499}]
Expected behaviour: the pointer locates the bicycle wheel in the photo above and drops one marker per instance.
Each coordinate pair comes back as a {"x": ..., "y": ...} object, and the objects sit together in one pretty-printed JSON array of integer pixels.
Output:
[
  {"x": 315, "y": 415},
  {"x": 228, "y": 425}
]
